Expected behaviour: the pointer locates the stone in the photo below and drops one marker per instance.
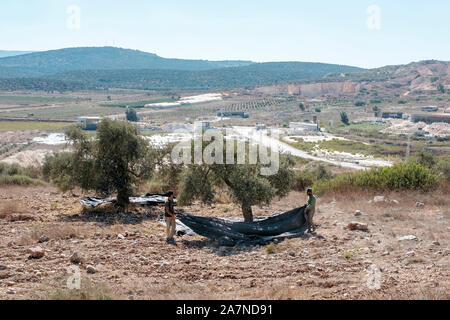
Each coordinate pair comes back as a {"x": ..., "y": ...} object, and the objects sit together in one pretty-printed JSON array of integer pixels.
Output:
[
  {"x": 291, "y": 253},
  {"x": 91, "y": 269},
  {"x": 409, "y": 237},
  {"x": 436, "y": 243},
  {"x": 358, "y": 213},
  {"x": 410, "y": 254},
  {"x": 43, "y": 239},
  {"x": 378, "y": 199},
  {"x": 420, "y": 204},
  {"x": 120, "y": 236},
  {"x": 395, "y": 201},
  {"x": 358, "y": 226},
  {"x": 75, "y": 258},
  {"x": 36, "y": 253},
  {"x": 2, "y": 267},
  {"x": 10, "y": 291}
]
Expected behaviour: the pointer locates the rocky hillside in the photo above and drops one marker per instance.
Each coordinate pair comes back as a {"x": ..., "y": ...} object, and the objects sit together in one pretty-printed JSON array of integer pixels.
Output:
[{"x": 412, "y": 79}]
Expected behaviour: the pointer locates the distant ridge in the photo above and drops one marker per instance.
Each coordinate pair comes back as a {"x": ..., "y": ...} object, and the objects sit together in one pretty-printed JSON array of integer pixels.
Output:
[
  {"x": 6, "y": 53},
  {"x": 101, "y": 58}
]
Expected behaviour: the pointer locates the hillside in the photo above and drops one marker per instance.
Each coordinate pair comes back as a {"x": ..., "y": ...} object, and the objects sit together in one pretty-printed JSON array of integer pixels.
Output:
[
  {"x": 7, "y": 53},
  {"x": 416, "y": 77},
  {"x": 244, "y": 77},
  {"x": 101, "y": 58}
]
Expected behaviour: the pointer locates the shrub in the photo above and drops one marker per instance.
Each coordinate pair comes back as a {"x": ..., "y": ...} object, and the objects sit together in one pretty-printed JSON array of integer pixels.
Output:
[
  {"x": 20, "y": 180},
  {"x": 16, "y": 175},
  {"x": 307, "y": 178},
  {"x": 406, "y": 175},
  {"x": 360, "y": 103},
  {"x": 344, "y": 118},
  {"x": 132, "y": 115},
  {"x": 272, "y": 248}
]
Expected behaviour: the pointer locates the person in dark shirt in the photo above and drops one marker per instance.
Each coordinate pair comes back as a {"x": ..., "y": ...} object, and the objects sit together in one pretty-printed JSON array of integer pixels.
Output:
[{"x": 169, "y": 216}]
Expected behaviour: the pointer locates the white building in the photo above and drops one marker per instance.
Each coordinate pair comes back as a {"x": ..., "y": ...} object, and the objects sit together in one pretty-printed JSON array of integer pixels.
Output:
[{"x": 299, "y": 127}]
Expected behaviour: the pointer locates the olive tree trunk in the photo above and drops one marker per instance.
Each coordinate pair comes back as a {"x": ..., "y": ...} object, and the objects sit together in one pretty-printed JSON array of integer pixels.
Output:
[
  {"x": 123, "y": 198},
  {"x": 248, "y": 213}
]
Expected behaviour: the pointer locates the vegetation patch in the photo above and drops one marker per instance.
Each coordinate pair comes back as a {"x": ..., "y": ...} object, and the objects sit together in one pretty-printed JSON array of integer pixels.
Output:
[
  {"x": 402, "y": 176},
  {"x": 32, "y": 125},
  {"x": 16, "y": 175}
]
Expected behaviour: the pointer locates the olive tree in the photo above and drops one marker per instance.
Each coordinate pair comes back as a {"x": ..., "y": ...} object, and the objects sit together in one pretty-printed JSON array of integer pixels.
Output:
[
  {"x": 245, "y": 182},
  {"x": 115, "y": 162}
]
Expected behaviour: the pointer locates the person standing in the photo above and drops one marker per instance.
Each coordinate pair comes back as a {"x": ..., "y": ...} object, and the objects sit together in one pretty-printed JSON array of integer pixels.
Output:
[
  {"x": 310, "y": 210},
  {"x": 169, "y": 216}
]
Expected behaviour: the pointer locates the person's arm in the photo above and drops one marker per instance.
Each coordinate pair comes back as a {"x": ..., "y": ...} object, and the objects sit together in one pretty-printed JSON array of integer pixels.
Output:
[{"x": 309, "y": 204}]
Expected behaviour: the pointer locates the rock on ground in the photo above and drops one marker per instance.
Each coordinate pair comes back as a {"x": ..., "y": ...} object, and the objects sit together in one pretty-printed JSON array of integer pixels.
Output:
[
  {"x": 36, "y": 252},
  {"x": 358, "y": 226}
]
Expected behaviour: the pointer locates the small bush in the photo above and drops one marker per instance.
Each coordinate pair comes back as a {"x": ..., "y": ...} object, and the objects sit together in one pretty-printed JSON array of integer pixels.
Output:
[
  {"x": 20, "y": 181},
  {"x": 13, "y": 174},
  {"x": 272, "y": 248},
  {"x": 402, "y": 176}
]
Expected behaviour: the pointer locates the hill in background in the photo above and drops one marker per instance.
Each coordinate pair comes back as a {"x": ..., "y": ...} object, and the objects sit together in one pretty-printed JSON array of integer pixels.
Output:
[
  {"x": 250, "y": 76},
  {"x": 6, "y": 53},
  {"x": 99, "y": 58}
]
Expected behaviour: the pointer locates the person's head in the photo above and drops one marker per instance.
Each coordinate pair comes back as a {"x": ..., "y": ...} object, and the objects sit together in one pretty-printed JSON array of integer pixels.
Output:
[
  {"x": 170, "y": 195},
  {"x": 309, "y": 192}
]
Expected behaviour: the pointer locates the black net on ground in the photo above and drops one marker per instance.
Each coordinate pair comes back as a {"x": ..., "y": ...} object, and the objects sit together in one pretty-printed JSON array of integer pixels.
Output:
[
  {"x": 228, "y": 232},
  {"x": 145, "y": 200}
]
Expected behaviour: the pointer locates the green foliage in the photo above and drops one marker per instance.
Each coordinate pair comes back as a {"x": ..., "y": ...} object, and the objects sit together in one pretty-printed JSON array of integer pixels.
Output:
[
  {"x": 17, "y": 175},
  {"x": 249, "y": 76},
  {"x": 309, "y": 177},
  {"x": 407, "y": 176},
  {"x": 441, "y": 88},
  {"x": 116, "y": 162},
  {"x": 132, "y": 115},
  {"x": 43, "y": 84},
  {"x": 425, "y": 159},
  {"x": 402, "y": 102},
  {"x": 246, "y": 184},
  {"x": 360, "y": 103},
  {"x": 302, "y": 106},
  {"x": 318, "y": 110},
  {"x": 376, "y": 101},
  {"x": 344, "y": 118}
]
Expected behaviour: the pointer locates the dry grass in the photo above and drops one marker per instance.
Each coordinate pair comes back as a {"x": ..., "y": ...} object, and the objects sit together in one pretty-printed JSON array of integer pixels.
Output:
[
  {"x": 8, "y": 207},
  {"x": 89, "y": 291},
  {"x": 60, "y": 231}
]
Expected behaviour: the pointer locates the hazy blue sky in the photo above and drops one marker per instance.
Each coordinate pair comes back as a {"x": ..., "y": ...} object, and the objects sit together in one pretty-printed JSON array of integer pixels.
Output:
[{"x": 260, "y": 30}]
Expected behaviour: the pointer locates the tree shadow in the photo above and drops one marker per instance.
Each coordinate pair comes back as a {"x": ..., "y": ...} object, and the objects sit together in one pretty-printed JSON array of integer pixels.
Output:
[{"x": 111, "y": 215}]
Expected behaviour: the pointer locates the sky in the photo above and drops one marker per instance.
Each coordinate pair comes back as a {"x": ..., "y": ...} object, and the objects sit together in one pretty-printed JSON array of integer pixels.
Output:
[{"x": 360, "y": 33}]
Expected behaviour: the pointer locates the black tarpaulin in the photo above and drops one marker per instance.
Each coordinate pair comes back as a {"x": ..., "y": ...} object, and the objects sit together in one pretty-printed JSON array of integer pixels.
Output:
[
  {"x": 228, "y": 232},
  {"x": 145, "y": 200}
]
